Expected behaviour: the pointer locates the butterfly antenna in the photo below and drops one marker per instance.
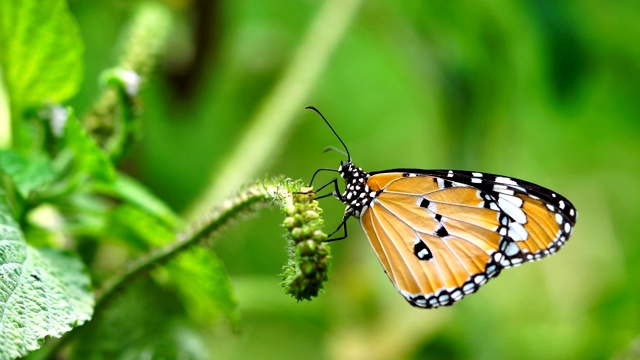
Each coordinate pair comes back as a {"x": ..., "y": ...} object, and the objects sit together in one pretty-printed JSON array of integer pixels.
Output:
[{"x": 332, "y": 129}]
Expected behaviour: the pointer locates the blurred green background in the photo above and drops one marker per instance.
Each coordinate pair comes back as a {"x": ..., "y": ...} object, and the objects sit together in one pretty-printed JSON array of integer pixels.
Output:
[{"x": 540, "y": 90}]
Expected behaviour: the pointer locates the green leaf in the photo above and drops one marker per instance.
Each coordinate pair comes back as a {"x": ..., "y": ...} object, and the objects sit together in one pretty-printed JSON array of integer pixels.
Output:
[
  {"x": 141, "y": 226},
  {"x": 42, "y": 51},
  {"x": 133, "y": 192},
  {"x": 88, "y": 159},
  {"x": 204, "y": 286},
  {"x": 27, "y": 173},
  {"x": 145, "y": 321},
  {"x": 43, "y": 293}
]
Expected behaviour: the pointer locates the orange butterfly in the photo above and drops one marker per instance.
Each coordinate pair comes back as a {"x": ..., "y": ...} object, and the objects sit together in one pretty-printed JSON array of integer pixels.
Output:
[{"x": 441, "y": 234}]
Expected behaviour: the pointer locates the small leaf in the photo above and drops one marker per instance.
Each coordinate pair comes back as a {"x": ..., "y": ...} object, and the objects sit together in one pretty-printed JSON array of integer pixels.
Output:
[
  {"x": 27, "y": 173},
  {"x": 41, "y": 54},
  {"x": 204, "y": 286},
  {"x": 88, "y": 159},
  {"x": 42, "y": 292}
]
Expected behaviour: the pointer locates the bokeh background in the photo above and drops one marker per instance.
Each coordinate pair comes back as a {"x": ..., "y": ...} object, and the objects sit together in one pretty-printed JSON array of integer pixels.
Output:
[{"x": 540, "y": 90}]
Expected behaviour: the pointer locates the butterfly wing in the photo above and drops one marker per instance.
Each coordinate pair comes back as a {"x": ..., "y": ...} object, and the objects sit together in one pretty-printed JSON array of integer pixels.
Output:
[{"x": 442, "y": 234}]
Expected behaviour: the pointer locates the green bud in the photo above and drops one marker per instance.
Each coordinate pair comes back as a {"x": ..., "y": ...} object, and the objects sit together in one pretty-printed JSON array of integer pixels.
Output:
[
  {"x": 322, "y": 250},
  {"x": 289, "y": 222},
  {"x": 306, "y": 231},
  {"x": 308, "y": 268},
  {"x": 296, "y": 234},
  {"x": 319, "y": 236},
  {"x": 307, "y": 248},
  {"x": 290, "y": 210},
  {"x": 310, "y": 215}
]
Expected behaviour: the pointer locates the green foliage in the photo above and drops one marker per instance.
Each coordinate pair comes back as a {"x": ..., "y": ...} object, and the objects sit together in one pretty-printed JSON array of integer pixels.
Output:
[
  {"x": 29, "y": 173},
  {"x": 43, "y": 292},
  {"x": 60, "y": 185},
  {"x": 545, "y": 91},
  {"x": 146, "y": 320},
  {"x": 42, "y": 51},
  {"x": 204, "y": 287},
  {"x": 88, "y": 161}
]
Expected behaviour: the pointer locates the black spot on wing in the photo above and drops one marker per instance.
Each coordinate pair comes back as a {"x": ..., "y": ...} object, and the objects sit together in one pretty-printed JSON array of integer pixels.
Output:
[
  {"x": 421, "y": 250},
  {"x": 442, "y": 232},
  {"x": 425, "y": 203}
]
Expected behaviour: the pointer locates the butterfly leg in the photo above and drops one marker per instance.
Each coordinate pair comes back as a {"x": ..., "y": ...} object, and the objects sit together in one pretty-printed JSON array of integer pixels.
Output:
[
  {"x": 335, "y": 192},
  {"x": 342, "y": 225},
  {"x": 318, "y": 171}
]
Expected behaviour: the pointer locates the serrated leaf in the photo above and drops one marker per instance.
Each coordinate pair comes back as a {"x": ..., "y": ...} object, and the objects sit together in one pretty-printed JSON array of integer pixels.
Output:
[
  {"x": 28, "y": 173},
  {"x": 203, "y": 284},
  {"x": 41, "y": 52},
  {"x": 88, "y": 159},
  {"x": 43, "y": 293}
]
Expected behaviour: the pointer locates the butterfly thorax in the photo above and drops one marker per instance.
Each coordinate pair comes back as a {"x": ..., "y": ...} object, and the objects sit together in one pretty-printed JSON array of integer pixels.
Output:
[{"x": 357, "y": 194}]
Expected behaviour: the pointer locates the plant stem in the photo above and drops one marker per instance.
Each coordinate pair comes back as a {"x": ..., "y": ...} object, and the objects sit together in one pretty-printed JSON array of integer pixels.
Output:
[
  {"x": 276, "y": 114},
  {"x": 245, "y": 202},
  {"x": 276, "y": 192}
]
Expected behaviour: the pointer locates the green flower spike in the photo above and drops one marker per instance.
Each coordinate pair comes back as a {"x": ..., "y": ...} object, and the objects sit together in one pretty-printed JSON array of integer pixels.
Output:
[{"x": 309, "y": 254}]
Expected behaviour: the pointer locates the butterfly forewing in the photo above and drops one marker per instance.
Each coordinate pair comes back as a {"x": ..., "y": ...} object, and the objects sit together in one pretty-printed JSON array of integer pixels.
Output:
[{"x": 441, "y": 234}]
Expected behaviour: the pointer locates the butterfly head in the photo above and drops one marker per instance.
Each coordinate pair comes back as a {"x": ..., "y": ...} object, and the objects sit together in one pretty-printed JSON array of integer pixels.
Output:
[{"x": 357, "y": 194}]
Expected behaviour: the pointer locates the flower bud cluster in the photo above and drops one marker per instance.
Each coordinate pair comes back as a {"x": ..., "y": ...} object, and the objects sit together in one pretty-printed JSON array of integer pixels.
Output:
[{"x": 309, "y": 254}]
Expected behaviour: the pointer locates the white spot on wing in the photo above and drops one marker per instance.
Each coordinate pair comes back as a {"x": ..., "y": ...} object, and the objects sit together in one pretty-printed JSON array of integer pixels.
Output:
[
  {"x": 559, "y": 219},
  {"x": 505, "y": 180},
  {"x": 512, "y": 249},
  {"x": 502, "y": 189},
  {"x": 512, "y": 199},
  {"x": 512, "y": 210},
  {"x": 517, "y": 232}
]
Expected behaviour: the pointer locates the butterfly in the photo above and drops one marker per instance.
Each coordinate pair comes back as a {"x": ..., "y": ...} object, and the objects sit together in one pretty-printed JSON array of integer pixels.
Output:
[{"x": 442, "y": 234}]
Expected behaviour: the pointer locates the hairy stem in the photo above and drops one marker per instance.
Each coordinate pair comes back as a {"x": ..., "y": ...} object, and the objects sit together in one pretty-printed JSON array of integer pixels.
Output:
[
  {"x": 271, "y": 192},
  {"x": 276, "y": 192}
]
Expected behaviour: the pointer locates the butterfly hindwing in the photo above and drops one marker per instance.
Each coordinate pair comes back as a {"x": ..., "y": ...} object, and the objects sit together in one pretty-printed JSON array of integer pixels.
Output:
[{"x": 442, "y": 234}]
